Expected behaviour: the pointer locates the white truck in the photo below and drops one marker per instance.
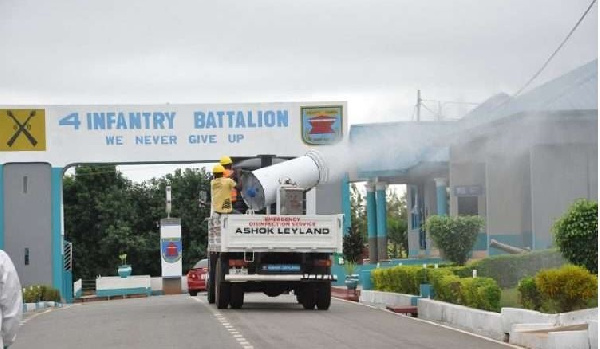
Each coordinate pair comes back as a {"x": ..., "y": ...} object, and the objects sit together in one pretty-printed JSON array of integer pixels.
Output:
[{"x": 275, "y": 252}]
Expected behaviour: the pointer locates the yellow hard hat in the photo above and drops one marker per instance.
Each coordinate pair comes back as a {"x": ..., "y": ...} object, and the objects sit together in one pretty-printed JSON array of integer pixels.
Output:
[
  {"x": 218, "y": 169},
  {"x": 225, "y": 160}
]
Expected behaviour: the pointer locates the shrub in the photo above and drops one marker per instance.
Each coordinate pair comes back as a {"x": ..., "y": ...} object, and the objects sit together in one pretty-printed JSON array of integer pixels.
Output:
[
  {"x": 576, "y": 234},
  {"x": 529, "y": 296},
  {"x": 480, "y": 293},
  {"x": 454, "y": 236},
  {"x": 38, "y": 293},
  {"x": 353, "y": 246},
  {"x": 569, "y": 288},
  {"x": 508, "y": 269},
  {"x": 446, "y": 287}
]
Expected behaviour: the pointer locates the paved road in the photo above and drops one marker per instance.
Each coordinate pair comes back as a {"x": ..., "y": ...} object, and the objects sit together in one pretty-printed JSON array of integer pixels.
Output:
[{"x": 189, "y": 322}]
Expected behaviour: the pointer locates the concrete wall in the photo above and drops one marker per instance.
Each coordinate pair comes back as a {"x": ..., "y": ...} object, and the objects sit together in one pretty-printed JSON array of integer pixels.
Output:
[
  {"x": 27, "y": 220},
  {"x": 466, "y": 173},
  {"x": 508, "y": 200},
  {"x": 560, "y": 174},
  {"x": 383, "y": 299},
  {"x": 477, "y": 321}
]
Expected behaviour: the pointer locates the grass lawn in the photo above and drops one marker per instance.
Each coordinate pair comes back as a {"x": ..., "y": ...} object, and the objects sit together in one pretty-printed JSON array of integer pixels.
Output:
[{"x": 510, "y": 298}]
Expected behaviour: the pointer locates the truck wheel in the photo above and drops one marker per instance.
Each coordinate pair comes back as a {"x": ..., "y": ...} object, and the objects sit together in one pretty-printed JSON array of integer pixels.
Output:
[
  {"x": 210, "y": 283},
  {"x": 237, "y": 296},
  {"x": 193, "y": 293},
  {"x": 298, "y": 296},
  {"x": 210, "y": 292},
  {"x": 324, "y": 296},
  {"x": 309, "y": 296},
  {"x": 222, "y": 290}
]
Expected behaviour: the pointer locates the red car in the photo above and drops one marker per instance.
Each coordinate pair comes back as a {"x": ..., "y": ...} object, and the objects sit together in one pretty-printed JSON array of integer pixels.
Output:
[{"x": 196, "y": 277}]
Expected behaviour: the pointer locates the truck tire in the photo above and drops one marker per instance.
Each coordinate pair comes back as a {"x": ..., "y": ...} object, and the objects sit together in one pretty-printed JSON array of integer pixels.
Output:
[
  {"x": 237, "y": 296},
  {"x": 298, "y": 293},
  {"x": 323, "y": 296},
  {"x": 309, "y": 296},
  {"x": 210, "y": 284},
  {"x": 193, "y": 293},
  {"x": 222, "y": 290}
]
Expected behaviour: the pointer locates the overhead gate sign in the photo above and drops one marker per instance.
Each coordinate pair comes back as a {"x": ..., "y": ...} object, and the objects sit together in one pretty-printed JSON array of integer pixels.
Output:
[{"x": 63, "y": 135}]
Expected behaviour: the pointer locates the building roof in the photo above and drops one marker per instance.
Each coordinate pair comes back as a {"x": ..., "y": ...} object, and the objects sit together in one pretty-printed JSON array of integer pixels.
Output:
[
  {"x": 576, "y": 90},
  {"x": 397, "y": 147}
]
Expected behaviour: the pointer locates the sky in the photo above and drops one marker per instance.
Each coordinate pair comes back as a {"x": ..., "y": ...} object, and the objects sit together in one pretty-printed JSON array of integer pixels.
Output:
[{"x": 373, "y": 54}]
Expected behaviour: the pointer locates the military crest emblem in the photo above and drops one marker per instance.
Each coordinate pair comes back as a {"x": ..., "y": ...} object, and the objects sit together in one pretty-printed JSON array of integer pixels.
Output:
[{"x": 322, "y": 125}]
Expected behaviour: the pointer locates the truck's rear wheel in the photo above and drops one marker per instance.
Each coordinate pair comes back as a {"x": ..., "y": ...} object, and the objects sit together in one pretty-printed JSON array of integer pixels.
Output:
[
  {"x": 309, "y": 296},
  {"x": 222, "y": 289},
  {"x": 237, "y": 296},
  {"x": 323, "y": 296},
  {"x": 210, "y": 283}
]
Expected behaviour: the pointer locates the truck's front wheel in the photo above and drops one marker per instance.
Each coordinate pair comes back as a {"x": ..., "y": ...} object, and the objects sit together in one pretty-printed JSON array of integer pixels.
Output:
[
  {"x": 222, "y": 290},
  {"x": 323, "y": 296}
]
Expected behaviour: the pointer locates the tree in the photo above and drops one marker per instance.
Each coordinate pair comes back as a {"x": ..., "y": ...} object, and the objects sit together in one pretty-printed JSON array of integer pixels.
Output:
[
  {"x": 107, "y": 215},
  {"x": 358, "y": 214},
  {"x": 186, "y": 186},
  {"x": 454, "y": 236},
  {"x": 397, "y": 223},
  {"x": 576, "y": 234},
  {"x": 353, "y": 246}
]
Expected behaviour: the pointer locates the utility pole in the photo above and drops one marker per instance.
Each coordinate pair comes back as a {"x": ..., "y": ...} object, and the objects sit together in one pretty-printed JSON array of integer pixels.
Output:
[{"x": 419, "y": 100}]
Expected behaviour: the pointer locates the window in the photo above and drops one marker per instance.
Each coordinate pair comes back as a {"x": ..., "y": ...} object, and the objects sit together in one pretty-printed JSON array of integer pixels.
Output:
[{"x": 467, "y": 206}]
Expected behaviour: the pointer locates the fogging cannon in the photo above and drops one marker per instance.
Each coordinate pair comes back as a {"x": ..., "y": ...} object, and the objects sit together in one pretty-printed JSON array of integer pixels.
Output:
[
  {"x": 507, "y": 248},
  {"x": 284, "y": 183}
]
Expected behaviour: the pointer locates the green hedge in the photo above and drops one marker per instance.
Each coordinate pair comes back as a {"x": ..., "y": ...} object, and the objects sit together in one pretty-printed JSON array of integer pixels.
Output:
[
  {"x": 38, "y": 293},
  {"x": 480, "y": 293},
  {"x": 399, "y": 279},
  {"x": 509, "y": 269}
]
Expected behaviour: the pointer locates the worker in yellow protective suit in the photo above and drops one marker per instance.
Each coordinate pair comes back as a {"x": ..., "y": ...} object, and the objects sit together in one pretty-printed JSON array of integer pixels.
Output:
[
  {"x": 229, "y": 173},
  {"x": 221, "y": 187}
]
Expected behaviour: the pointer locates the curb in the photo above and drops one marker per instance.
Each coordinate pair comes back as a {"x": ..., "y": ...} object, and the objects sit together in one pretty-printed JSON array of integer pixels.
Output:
[{"x": 30, "y": 307}]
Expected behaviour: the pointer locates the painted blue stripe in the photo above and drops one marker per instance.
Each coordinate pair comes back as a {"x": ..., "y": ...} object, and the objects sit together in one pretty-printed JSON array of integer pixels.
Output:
[
  {"x": 1, "y": 207},
  {"x": 123, "y": 291},
  {"x": 481, "y": 242},
  {"x": 346, "y": 206},
  {"x": 57, "y": 257}
]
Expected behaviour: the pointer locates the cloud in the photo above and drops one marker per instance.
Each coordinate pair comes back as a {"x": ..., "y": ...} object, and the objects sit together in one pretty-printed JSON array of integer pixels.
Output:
[{"x": 375, "y": 55}]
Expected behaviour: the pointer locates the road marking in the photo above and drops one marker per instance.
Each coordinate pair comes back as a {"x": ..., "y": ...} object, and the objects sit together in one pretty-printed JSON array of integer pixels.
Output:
[
  {"x": 234, "y": 333},
  {"x": 431, "y": 323}
]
